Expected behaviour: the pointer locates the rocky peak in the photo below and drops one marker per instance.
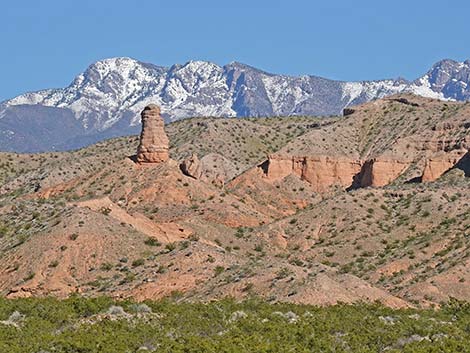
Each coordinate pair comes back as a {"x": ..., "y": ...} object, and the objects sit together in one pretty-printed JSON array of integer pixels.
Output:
[
  {"x": 154, "y": 144},
  {"x": 115, "y": 76},
  {"x": 451, "y": 78},
  {"x": 195, "y": 71},
  {"x": 106, "y": 96}
]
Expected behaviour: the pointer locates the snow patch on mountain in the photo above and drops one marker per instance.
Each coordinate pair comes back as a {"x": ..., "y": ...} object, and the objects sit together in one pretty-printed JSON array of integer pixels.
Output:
[
  {"x": 422, "y": 87},
  {"x": 351, "y": 91},
  {"x": 113, "y": 90},
  {"x": 285, "y": 93}
]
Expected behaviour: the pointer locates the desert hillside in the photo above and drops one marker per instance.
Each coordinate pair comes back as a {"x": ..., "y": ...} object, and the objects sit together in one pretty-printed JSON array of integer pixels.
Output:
[{"x": 371, "y": 206}]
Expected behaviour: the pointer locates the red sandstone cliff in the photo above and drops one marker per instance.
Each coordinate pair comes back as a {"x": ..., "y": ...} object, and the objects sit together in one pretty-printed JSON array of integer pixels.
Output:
[
  {"x": 321, "y": 172},
  {"x": 381, "y": 171},
  {"x": 324, "y": 172},
  {"x": 440, "y": 163}
]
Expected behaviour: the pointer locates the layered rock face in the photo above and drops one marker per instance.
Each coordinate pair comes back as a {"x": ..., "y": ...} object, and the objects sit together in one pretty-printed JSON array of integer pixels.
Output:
[
  {"x": 321, "y": 172},
  {"x": 446, "y": 148},
  {"x": 153, "y": 146},
  {"x": 379, "y": 172},
  {"x": 324, "y": 172},
  {"x": 436, "y": 166},
  {"x": 278, "y": 167}
]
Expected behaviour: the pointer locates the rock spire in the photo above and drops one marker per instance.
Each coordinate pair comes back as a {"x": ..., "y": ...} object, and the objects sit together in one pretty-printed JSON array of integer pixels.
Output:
[{"x": 153, "y": 146}]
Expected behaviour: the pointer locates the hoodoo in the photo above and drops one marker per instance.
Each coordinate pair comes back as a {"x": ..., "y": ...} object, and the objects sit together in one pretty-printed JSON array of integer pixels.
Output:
[{"x": 153, "y": 146}]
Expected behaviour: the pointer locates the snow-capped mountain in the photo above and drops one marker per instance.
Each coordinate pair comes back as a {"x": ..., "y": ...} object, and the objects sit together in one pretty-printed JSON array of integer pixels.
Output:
[{"x": 106, "y": 99}]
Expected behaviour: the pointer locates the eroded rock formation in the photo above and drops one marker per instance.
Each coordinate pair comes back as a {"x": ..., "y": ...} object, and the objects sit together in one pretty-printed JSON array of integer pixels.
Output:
[
  {"x": 191, "y": 166},
  {"x": 212, "y": 168},
  {"x": 153, "y": 146},
  {"x": 445, "y": 148},
  {"x": 437, "y": 165},
  {"x": 324, "y": 172},
  {"x": 278, "y": 167},
  {"x": 321, "y": 172},
  {"x": 379, "y": 172}
]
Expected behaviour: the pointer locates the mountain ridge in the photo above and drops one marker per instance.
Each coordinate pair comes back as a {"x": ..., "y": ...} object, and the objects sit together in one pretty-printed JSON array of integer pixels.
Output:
[{"x": 105, "y": 99}]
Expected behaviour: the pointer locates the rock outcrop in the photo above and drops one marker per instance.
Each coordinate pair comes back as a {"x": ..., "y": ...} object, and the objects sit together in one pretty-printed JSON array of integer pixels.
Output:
[
  {"x": 348, "y": 111},
  {"x": 321, "y": 172},
  {"x": 278, "y": 167},
  {"x": 191, "y": 166},
  {"x": 325, "y": 172},
  {"x": 153, "y": 146},
  {"x": 378, "y": 172},
  {"x": 212, "y": 168},
  {"x": 437, "y": 165}
]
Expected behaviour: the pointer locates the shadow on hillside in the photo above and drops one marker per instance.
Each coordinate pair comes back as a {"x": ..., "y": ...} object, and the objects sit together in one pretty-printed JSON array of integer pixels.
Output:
[
  {"x": 415, "y": 180},
  {"x": 133, "y": 158},
  {"x": 464, "y": 164},
  {"x": 264, "y": 166}
]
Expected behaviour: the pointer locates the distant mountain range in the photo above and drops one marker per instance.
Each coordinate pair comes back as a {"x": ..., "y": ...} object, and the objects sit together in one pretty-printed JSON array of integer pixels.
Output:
[{"x": 105, "y": 100}]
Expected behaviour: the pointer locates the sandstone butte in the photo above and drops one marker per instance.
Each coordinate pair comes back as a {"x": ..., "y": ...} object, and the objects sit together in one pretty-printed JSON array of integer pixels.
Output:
[{"x": 154, "y": 144}]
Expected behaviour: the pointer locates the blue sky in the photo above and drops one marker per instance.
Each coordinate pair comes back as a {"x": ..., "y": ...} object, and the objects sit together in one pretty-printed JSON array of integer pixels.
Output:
[{"x": 44, "y": 44}]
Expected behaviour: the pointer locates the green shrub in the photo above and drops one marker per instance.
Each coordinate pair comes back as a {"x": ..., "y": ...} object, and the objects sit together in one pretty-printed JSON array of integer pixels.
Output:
[{"x": 138, "y": 262}]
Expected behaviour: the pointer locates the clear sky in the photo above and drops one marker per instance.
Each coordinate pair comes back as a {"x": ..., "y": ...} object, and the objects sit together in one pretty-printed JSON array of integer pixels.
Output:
[{"x": 46, "y": 43}]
